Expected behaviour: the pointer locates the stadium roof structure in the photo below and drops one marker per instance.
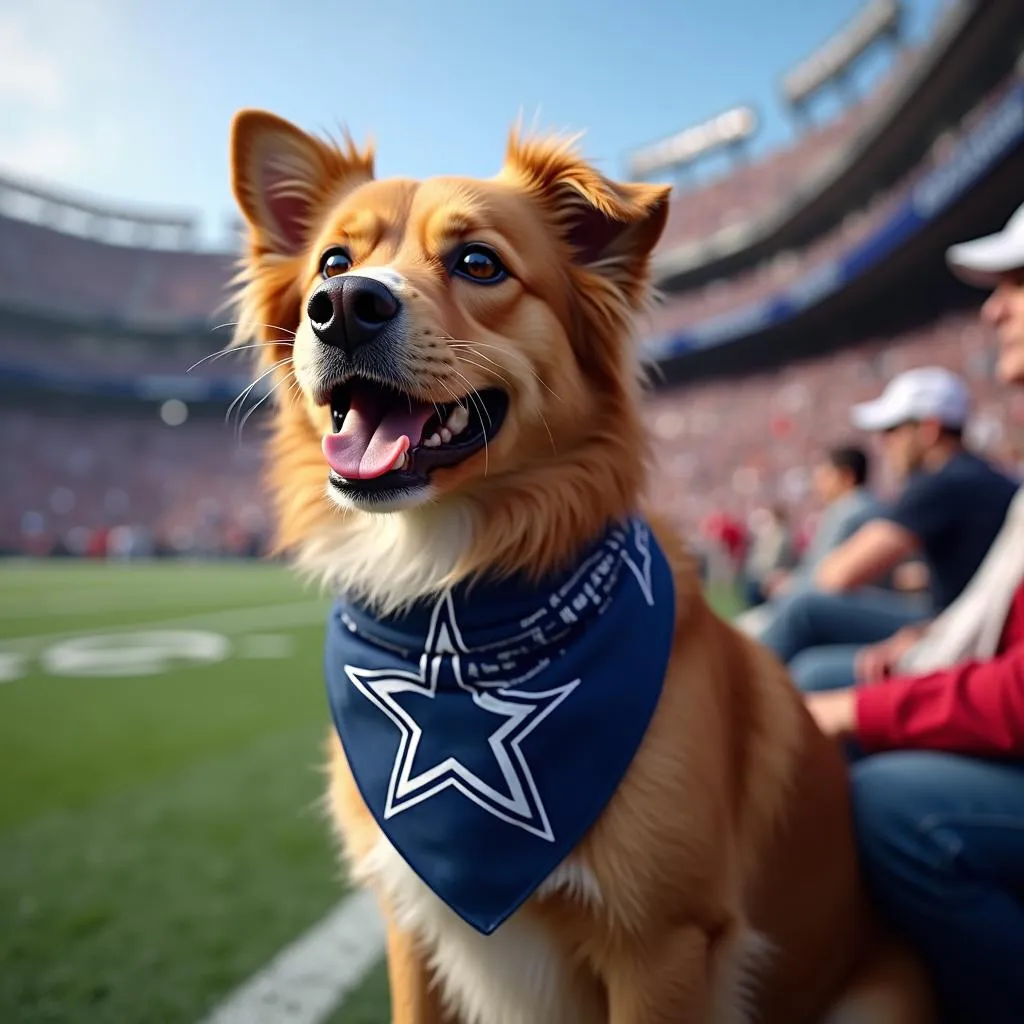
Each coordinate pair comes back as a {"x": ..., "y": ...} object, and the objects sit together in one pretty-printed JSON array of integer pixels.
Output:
[
  {"x": 975, "y": 44},
  {"x": 890, "y": 277},
  {"x": 830, "y": 63},
  {"x": 107, "y": 222}
]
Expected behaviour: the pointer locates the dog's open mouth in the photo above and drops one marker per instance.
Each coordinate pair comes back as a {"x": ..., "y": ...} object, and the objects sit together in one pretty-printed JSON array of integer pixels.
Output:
[{"x": 384, "y": 439}]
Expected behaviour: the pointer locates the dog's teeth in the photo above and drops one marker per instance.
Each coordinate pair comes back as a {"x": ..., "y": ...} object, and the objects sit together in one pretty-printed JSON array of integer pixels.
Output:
[
  {"x": 433, "y": 441},
  {"x": 406, "y": 460},
  {"x": 458, "y": 420},
  {"x": 446, "y": 435}
]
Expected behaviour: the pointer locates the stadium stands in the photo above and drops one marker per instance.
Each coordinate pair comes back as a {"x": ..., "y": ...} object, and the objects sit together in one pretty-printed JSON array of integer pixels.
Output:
[
  {"x": 735, "y": 445},
  {"x": 99, "y": 323},
  {"x": 707, "y": 301},
  {"x": 741, "y": 444},
  {"x": 728, "y": 202},
  {"x": 56, "y": 275},
  {"x": 788, "y": 198},
  {"x": 71, "y": 477}
]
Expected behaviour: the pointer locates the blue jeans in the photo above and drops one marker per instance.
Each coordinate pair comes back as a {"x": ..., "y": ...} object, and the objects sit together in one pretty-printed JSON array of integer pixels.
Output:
[
  {"x": 813, "y": 619},
  {"x": 942, "y": 846},
  {"x": 824, "y": 668}
]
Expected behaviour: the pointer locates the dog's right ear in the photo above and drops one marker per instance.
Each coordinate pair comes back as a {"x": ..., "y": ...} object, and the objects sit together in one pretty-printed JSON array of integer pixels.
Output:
[{"x": 282, "y": 178}]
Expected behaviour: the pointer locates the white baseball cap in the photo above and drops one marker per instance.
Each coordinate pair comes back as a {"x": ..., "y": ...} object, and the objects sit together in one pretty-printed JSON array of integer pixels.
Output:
[
  {"x": 927, "y": 393},
  {"x": 982, "y": 261}
]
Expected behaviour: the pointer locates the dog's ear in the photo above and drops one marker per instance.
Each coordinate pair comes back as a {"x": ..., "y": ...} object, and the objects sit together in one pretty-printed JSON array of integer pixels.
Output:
[
  {"x": 611, "y": 227},
  {"x": 282, "y": 177}
]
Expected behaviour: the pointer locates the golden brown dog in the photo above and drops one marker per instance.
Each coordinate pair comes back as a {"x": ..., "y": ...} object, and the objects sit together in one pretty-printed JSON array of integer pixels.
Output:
[{"x": 720, "y": 882}]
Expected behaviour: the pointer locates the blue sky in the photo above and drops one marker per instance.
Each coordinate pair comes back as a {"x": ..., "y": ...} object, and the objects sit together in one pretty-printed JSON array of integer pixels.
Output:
[{"x": 130, "y": 100}]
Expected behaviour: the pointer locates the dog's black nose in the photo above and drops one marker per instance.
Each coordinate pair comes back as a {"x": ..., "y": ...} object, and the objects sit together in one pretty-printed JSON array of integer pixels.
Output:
[{"x": 348, "y": 310}]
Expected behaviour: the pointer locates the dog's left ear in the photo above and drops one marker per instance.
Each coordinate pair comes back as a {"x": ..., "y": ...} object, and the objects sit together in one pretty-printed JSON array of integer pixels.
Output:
[
  {"x": 282, "y": 177},
  {"x": 610, "y": 226}
]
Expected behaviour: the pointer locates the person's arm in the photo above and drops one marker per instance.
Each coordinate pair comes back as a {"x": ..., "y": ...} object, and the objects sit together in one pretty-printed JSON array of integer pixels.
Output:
[
  {"x": 973, "y": 708},
  {"x": 928, "y": 505},
  {"x": 874, "y": 550},
  {"x": 875, "y": 662},
  {"x": 976, "y": 708}
]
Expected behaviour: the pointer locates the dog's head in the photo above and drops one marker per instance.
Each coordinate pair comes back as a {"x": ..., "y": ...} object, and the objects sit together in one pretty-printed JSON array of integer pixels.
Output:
[{"x": 462, "y": 383}]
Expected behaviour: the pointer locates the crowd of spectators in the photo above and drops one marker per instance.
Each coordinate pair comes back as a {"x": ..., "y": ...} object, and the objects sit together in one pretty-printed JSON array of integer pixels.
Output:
[
  {"x": 102, "y": 483},
  {"x": 784, "y": 268},
  {"x": 721, "y": 448},
  {"x": 71, "y": 276},
  {"x": 735, "y": 446},
  {"x": 731, "y": 449}
]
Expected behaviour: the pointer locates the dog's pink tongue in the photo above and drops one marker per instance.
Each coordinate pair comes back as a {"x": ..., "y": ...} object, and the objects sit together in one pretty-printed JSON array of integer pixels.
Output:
[{"x": 375, "y": 435}]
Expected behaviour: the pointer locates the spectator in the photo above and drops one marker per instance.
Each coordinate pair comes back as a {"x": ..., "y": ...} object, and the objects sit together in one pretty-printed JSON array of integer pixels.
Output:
[
  {"x": 841, "y": 483},
  {"x": 939, "y": 805},
  {"x": 840, "y": 480},
  {"x": 950, "y": 510},
  {"x": 772, "y": 552}
]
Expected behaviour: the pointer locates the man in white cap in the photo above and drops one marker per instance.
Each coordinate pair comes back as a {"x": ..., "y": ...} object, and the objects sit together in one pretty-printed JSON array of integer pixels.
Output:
[
  {"x": 939, "y": 803},
  {"x": 948, "y": 513}
]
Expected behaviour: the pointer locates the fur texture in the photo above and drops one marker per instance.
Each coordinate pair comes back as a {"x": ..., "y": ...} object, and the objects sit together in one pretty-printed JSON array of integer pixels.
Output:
[{"x": 720, "y": 884}]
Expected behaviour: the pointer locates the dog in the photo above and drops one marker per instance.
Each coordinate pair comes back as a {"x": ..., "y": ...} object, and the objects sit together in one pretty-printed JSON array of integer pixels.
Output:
[{"x": 578, "y": 794}]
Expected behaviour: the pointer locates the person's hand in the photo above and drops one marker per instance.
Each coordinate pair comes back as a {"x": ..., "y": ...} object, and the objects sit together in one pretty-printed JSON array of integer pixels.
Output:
[
  {"x": 834, "y": 711},
  {"x": 877, "y": 661}
]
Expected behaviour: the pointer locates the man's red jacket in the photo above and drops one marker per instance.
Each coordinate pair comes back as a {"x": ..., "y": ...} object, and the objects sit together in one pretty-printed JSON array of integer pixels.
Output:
[{"x": 975, "y": 708}]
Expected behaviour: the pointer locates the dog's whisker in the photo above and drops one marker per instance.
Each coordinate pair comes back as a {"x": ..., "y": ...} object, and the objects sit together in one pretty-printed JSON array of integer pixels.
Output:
[
  {"x": 473, "y": 346},
  {"x": 480, "y": 366},
  {"x": 471, "y": 397},
  {"x": 245, "y": 419},
  {"x": 547, "y": 428},
  {"x": 269, "y": 327},
  {"x": 478, "y": 403},
  {"x": 239, "y": 348},
  {"x": 473, "y": 394},
  {"x": 244, "y": 394}
]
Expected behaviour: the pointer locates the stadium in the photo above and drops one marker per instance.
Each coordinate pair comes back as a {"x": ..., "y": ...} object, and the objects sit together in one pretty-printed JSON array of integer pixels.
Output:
[{"x": 158, "y": 677}]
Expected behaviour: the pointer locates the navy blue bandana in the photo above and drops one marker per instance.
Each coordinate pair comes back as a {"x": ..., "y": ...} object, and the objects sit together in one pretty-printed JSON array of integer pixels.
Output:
[{"x": 488, "y": 727}]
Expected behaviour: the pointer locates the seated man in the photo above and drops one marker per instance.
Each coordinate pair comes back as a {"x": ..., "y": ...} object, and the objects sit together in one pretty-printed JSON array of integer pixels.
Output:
[
  {"x": 949, "y": 511},
  {"x": 939, "y": 803},
  {"x": 840, "y": 480}
]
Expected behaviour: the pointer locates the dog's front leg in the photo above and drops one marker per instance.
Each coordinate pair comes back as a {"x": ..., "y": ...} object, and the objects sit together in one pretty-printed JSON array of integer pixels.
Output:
[
  {"x": 414, "y": 998},
  {"x": 667, "y": 982}
]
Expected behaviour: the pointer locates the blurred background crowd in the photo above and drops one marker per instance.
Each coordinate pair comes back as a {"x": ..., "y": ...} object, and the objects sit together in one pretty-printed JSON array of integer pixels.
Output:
[{"x": 793, "y": 285}]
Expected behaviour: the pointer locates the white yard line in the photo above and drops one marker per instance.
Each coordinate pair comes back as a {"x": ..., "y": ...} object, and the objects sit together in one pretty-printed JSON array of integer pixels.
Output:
[
  {"x": 308, "y": 979},
  {"x": 295, "y": 613}
]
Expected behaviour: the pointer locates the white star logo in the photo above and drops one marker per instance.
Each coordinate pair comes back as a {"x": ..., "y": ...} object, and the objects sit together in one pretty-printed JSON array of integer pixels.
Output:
[{"x": 523, "y": 711}]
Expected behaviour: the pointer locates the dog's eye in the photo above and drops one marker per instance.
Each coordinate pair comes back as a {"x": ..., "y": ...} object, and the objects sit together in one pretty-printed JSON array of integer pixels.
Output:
[
  {"x": 335, "y": 261},
  {"x": 479, "y": 263}
]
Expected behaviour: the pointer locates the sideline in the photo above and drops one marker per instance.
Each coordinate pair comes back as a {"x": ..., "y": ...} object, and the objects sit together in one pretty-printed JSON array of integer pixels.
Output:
[{"x": 309, "y": 978}]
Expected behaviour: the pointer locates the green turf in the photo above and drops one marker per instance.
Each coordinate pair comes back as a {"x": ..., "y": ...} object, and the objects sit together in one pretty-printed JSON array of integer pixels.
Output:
[
  {"x": 159, "y": 837},
  {"x": 368, "y": 1003}
]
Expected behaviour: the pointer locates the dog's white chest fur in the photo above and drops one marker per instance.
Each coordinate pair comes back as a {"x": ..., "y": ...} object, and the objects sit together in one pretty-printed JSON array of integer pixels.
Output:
[{"x": 515, "y": 976}]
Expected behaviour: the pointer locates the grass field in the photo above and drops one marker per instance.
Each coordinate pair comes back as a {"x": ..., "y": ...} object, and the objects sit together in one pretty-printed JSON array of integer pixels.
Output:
[
  {"x": 159, "y": 835},
  {"x": 161, "y": 733}
]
